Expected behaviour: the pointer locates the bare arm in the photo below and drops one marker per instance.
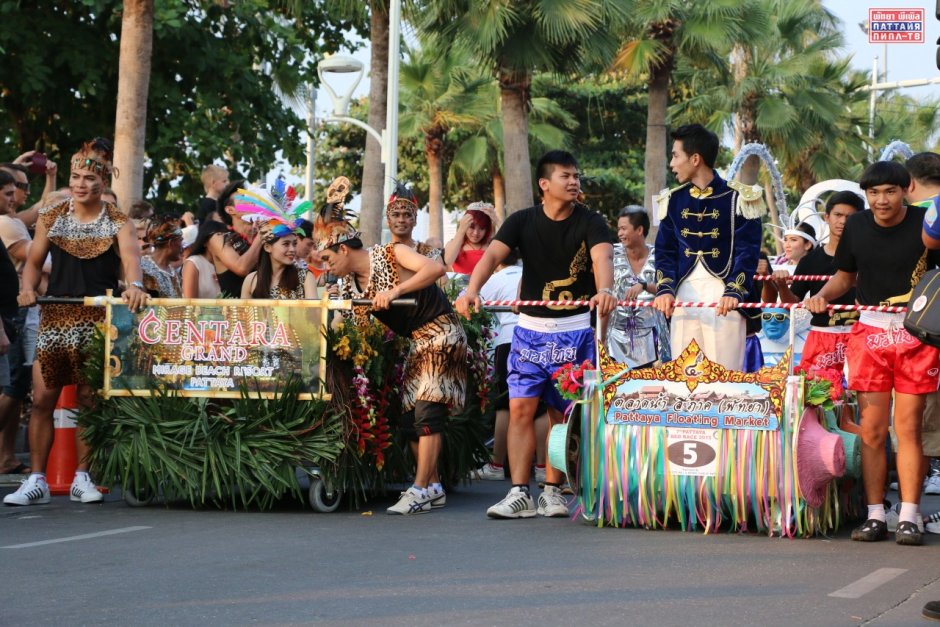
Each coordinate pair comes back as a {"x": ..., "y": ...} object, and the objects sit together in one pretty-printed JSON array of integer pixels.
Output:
[
  {"x": 452, "y": 248},
  {"x": 190, "y": 280},
  {"x": 495, "y": 253},
  {"x": 32, "y": 271},
  {"x": 248, "y": 285},
  {"x": 239, "y": 264},
  {"x": 840, "y": 283},
  {"x": 602, "y": 259},
  {"x": 129, "y": 251},
  {"x": 426, "y": 272},
  {"x": 310, "y": 287}
]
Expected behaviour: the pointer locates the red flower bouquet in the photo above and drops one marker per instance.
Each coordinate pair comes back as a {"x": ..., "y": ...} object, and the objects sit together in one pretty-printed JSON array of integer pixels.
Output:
[
  {"x": 569, "y": 379},
  {"x": 824, "y": 387}
]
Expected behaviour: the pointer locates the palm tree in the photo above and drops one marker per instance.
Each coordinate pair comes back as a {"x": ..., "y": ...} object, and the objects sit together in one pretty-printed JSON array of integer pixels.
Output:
[
  {"x": 661, "y": 33},
  {"x": 439, "y": 91},
  {"x": 516, "y": 39},
  {"x": 787, "y": 90},
  {"x": 130, "y": 123},
  {"x": 481, "y": 153}
]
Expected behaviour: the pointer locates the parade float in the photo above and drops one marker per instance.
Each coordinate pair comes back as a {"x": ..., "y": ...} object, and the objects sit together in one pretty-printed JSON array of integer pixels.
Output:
[
  {"x": 689, "y": 444},
  {"x": 240, "y": 403}
]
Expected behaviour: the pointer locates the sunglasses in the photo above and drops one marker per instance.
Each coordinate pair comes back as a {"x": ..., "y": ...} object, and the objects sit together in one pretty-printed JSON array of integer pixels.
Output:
[
  {"x": 22, "y": 186},
  {"x": 779, "y": 317}
]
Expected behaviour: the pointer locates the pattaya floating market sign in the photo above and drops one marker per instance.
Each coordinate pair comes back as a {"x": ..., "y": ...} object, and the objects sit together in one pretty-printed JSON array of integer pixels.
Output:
[
  {"x": 693, "y": 392},
  {"x": 215, "y": 348},
  {"x": 896, "y": 26}
]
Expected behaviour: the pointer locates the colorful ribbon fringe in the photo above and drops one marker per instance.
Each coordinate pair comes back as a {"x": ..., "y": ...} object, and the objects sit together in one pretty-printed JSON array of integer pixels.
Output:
[{"x": 625, "y": 480}]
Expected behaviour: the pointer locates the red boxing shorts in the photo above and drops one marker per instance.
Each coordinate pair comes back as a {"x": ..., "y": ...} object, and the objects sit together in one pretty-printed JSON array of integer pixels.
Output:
[
  {"x": 825, "y": 350},
  {"x": 882, "y": 359}
]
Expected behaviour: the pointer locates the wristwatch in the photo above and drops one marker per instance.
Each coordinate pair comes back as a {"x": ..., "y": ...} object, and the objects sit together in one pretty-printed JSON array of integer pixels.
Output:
[{"x": 644, "y": 285}]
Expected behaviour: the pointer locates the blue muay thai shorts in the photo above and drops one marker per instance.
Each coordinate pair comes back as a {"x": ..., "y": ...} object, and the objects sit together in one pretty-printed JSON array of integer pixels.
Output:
[{"x": 542, "y": 345}]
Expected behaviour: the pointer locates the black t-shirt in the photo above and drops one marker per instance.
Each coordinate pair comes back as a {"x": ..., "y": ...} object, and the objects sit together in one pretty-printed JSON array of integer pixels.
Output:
[
  {"x": 818, "y": 261},
  {"x": 889, "y": 260},
  {"x": 206, "y": 206},
  {"x": 10, "y": 285},
  {"x": 556, "y": 256}
]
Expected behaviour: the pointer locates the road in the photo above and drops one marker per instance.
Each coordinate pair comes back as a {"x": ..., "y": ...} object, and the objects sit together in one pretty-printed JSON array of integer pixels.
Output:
[{"x": 72, "y": 564}]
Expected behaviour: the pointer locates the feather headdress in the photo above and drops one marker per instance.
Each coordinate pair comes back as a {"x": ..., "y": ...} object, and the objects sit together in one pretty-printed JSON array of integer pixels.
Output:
[
  {"x": 332, "y": 225},
  {"x": 805, "y": 214},
  {"x": 402, "y": 198},
  {"x": 276, "y": 210}
]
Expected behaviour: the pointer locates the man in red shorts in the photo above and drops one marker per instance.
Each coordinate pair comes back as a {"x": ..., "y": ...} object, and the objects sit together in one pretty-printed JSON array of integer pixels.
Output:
[
  {"x": 882, "y": 254},
  {"x": 827, "y": 339}
]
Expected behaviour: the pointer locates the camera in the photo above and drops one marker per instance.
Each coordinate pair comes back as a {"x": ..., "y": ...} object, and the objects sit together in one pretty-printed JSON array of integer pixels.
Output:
[{"x": 37, "y": 163}]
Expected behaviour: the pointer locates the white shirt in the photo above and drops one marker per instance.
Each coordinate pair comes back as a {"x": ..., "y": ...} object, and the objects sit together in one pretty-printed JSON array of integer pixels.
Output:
[{"x": 503, "y": 285}]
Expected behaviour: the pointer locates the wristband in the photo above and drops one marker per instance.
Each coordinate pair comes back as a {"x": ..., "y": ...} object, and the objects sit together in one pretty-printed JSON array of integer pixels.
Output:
[
  {"x": 607, "y": 290},
  {"x": 138, "y": 285}
]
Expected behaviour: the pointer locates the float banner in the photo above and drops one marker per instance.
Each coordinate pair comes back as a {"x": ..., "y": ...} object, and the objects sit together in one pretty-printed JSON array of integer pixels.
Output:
[
  {"x": 693, "y": 392},
  {"x": 215, "y": 350}
]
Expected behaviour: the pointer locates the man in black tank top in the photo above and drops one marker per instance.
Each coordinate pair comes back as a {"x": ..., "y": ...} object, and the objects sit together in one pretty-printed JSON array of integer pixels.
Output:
[{"x": 435, "y": 370}]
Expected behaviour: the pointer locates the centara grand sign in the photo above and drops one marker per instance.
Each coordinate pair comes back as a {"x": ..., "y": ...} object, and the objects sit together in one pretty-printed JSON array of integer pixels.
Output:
[
  {"x": 896, "y": 26},
  {"x": 214, "y": 348},
  {"x": 693, "y": 392}
]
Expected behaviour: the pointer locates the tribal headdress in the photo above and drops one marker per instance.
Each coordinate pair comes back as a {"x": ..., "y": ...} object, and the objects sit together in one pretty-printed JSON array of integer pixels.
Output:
[
  {"x": 332, "y": 226},
  {"x": 95, "y": 155},
  {"x": 402, "y": 198},
  {"x": 791, "y": 223},
  {"x": 276, "y": 211},
  {"x": 163, "y": 229}
]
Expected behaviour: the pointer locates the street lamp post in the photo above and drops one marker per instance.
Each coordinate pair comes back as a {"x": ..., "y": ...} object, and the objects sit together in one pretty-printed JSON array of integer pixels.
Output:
[
  {"x": 387, "y": 138},
  {"x": 311, "y": 146}
]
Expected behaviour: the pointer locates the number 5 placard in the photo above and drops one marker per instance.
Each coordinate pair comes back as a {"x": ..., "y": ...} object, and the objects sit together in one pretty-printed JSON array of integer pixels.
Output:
[{"x": 692, "y": 451}]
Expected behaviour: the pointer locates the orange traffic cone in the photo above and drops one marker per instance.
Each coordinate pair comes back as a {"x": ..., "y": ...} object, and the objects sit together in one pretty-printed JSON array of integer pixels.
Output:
[{"x": 63, "y": 458}]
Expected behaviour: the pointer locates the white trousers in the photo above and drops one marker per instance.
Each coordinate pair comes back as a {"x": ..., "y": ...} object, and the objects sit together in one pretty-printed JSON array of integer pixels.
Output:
[{"x": 720, "y": 337}]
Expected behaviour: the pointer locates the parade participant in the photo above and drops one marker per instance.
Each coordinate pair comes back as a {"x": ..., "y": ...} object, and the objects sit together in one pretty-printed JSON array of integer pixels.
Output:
[
  {"x": 235, "y": 253},
  {"x": 89, "y": 240},
  {"x": 706, "y": 248},
  {"x": 401, "y": 213},
  {"x": 22, "y": 166},
  {"x": 828, "y": 337},
  {"x": 504, "y": 285},
  {"x": 636, "y": 336},
  {"x": 797, "y": 243},
  {"x": 435, "y": 369},
  {"x": 161, "y": 274},
  {"x": 278, "y": 276},
  {"x": 200, "y": 277},
  {"x": 882, "y": 255},
  {"x": 753, "y": 353},
  {"x": 214, "y": 181},
  {"x": 474, "y": 233},
  {"x": 566, "y": 254}
]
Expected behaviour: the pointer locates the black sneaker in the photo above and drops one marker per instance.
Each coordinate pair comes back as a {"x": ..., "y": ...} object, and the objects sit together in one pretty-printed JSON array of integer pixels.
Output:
[
  {"x": 932, "y": 610},
  {"x": 872, "y": 531},
  {"x": 908, "y": 534}
]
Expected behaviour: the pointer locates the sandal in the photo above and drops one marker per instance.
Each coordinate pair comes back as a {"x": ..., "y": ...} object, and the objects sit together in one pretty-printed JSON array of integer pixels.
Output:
[
  {"x": 872, "y": 531},
  {"x": 908, "y": 534},
  {"x": 19, "y": 469}
]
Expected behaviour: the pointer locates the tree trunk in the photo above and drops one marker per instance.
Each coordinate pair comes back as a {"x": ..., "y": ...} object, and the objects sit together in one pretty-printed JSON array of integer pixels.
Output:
[
  {"x": 657, "y": 148},
  {"x": 130, "y": 123},
  {"x": 774, "y": 212},
  {"x": 499, "y": 193},
  {"x": 433, "y": 145},
  {"x": 514, "y": 96},
  {"x": 372, "y": 211}
]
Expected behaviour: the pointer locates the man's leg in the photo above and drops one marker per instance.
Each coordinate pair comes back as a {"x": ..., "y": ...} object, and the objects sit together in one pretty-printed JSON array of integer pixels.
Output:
[
  {"x": 41, "y": 431},
  {"x": 9, "y": 425},
  {"x": 429, "y": 450},
  {"x": 520, "y": 438},
  {"x": 416, "y": 453},
  {"x": 908, "y": 420},
  {"x": 874, "y": 408}
]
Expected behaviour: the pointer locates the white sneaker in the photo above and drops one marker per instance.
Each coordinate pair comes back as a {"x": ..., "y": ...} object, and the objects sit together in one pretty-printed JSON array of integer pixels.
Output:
[
  {"x": 892, "y": 518},
  {"x": 32, "y": 491},
  {"x": 489, "y": 472},
  {"x": 932, "y": 485},
  {"x": 412, "y": 501},
  {"x": 517, "y": 504},
  {"x": 437, "y": 496},
  {"x": 540, "y": 476},
  {"x": 932, "y": 523},
  {"x": 84, "y": 490},
  {"x": 552, "y": 503},
  {"x": 893, "y": 486}
]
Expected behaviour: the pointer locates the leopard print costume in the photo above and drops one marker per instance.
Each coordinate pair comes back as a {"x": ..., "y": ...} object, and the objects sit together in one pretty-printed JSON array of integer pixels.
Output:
[
  {"x": 436, "y": 365},
  {"x": 66, "y": 331}
]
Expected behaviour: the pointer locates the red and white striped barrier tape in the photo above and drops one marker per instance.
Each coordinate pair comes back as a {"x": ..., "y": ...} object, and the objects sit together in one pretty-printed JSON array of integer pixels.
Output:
[
  {"x": 795, "y": 277},
  {"x": 699, "y": 305}
]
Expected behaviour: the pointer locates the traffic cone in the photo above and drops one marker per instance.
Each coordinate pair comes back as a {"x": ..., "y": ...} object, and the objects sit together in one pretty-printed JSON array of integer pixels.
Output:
[{"x": 63, "y": 458}]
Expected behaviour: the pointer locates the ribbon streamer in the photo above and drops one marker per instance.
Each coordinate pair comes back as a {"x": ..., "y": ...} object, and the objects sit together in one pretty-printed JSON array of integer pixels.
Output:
[{"x": 689, "y": 305}]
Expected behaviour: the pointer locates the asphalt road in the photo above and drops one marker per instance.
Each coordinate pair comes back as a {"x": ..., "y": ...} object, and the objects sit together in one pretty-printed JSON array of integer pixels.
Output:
[{"x": 72, "y": 564}]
